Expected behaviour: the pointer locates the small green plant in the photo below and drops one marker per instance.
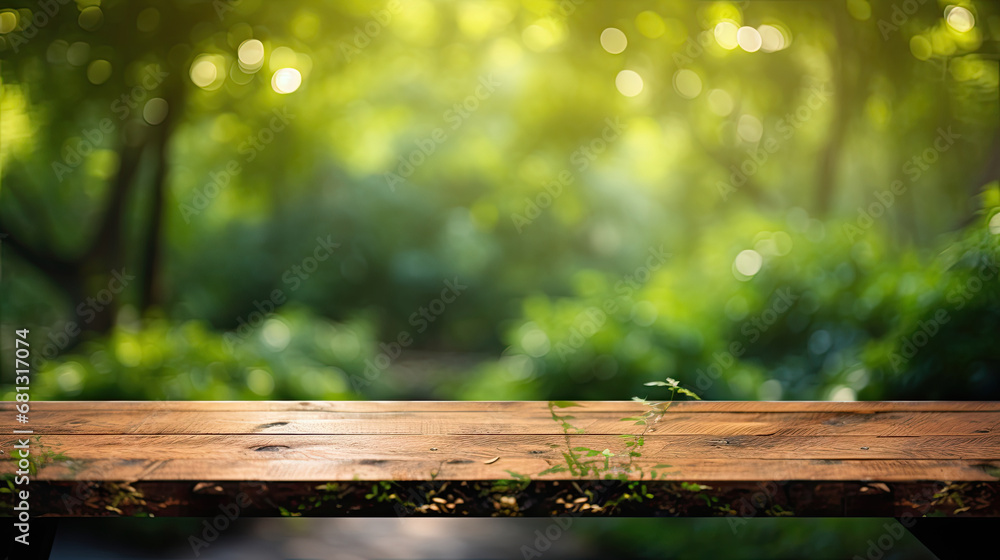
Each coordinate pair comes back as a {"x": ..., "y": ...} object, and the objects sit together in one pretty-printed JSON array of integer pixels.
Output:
[
  {"x": 586, "y": 462},
  {"x": 589, "y": 463},
  {"x": 517, "y": 483},
  {"x": 652, "y": 416},
  {"x": 381, "y": 492}
]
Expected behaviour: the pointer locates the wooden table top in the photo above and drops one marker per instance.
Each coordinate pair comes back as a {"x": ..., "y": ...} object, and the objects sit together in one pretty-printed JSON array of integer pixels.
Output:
[{"x": 477, "y": 441}]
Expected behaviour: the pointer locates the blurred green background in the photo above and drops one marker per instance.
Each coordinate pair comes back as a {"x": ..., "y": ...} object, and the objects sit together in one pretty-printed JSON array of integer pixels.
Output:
[
  {"x": 502, "y": 199},
  {"x": 494, "y": 199}
]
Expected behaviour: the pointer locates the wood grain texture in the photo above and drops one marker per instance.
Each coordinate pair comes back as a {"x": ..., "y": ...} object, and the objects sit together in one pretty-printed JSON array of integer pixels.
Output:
[
  {"x": 480, "y": 447},
  {"x": 683, "y": 469},
  {"x": 677, "y": 422},
  {"x": 415, "y": 441}
]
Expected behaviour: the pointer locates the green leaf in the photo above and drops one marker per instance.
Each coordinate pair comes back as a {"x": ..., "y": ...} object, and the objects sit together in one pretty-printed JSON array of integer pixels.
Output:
[
  {"x": 990, "y": 470},
  {"x": 563, "y": 404},
  {"x": 689, "y": 393},
  {"x": 520, "y": 477}
]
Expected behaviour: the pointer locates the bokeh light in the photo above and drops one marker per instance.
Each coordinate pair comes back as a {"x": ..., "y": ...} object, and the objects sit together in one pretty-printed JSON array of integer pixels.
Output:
[
  {"x": 629, "y": 83},
  {"x": 921, "y": 47},
  {"x": 286, "y": 80},
  {"x": 748, "y": 263},
  {"x": 205, "y": 72},
  {"x": 750, "y": 129},
  {"x": 687, "y": 83},
  {"x": 98, "y": 72},
  {"x": 260, "y": 382},
  {"x": 155, "y": 110},
  {"x": 726, "y": 34},
  {"x": 720, "y": 102},
  {"x": 613, "y": 40},
  {"x": 8, "y": 21},
  {"x": 534, "y": 341},
  {"x": 650, "y": 24},
  {"x": 960, "y": 19},
  {"x": 78, "y": 53},
  {"x": 771, "y": 38},
  {"x": 539, "y": 37},
  {"x": 748, "y": 38},
  {"x": 91, "y": 18},
  {"x": 860, "y": 10},
  {"x": 251, "y": 54}
]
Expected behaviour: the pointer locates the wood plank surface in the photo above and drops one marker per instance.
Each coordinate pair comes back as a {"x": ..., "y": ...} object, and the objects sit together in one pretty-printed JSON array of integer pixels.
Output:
[
  {"x": 480, "y": 447},
  {"x": 160, "y": 422},
  {"x": 413, "y": 441},
  {"x": 399, "y": 469}
]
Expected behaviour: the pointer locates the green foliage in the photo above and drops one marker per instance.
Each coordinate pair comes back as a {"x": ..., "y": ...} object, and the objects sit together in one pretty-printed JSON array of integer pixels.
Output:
[
  {"x": 642, "y": 232},
  {"x": 853, "y": 298},
  {"x": 294, "y": 355}
]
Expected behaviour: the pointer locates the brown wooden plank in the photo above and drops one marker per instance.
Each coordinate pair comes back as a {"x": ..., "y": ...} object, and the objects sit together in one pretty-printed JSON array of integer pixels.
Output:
[
  {"x": 828, "y": 445},
  {"x": 513, "y": 447},
  {"x": 390, "y": 423},
  {"x": 160, "y": 422},
  {"x": 681, "y": 469},
  {"x": 512, "y": 406}
]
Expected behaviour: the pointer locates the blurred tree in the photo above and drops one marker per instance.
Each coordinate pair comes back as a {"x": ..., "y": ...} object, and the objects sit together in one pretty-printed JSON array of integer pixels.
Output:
[{"x": 534, "y": 150}]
